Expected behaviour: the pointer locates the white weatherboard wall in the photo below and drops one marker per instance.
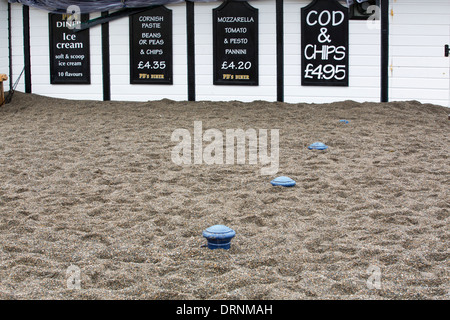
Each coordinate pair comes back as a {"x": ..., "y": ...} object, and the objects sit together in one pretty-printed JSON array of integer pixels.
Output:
[
  {"x": 121, "y": 89},
  {"x": 419, "y": 30},
  {"x": 205, "y": 90},
  {"x": 364, "y": 61},
  {"x": 17, "y": 45},
  {"x": 4, "y": 61}
]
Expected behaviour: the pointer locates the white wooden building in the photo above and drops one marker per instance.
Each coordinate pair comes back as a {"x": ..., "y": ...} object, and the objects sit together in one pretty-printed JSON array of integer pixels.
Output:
[{"x": 410, "y": 65}]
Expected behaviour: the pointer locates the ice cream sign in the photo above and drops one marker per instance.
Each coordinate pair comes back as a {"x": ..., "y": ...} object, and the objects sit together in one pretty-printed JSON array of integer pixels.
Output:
[
  {"x": 324, "y": 44},
  {"x": 69, "y": 50}
]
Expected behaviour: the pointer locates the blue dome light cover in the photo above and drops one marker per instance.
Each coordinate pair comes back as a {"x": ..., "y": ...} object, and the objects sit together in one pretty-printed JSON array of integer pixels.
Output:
[
  {"x": 219, "y": 236},
  {"x": 283, "y": 181},
  {"x": 318, "y": 146}
]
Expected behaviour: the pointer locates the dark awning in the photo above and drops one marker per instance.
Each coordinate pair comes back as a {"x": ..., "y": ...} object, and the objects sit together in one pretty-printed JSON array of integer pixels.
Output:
[{"x": 87, "y": 6}]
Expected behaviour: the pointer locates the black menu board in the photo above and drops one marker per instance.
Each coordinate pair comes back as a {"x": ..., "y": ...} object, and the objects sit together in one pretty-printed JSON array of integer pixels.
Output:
[
  {"x": 235, "y": 44},
  {"x": 69, "y": 51},
  {"x": 324, "y": 44},
  {"x": 151, "y": 47}
]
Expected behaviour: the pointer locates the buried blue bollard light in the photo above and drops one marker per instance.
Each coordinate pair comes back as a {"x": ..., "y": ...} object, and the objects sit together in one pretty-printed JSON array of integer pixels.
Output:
[
  {"x": 219, "y": 236},
  {"x": 283, "y": 181},
  {"x": 318, "y": 146}
]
